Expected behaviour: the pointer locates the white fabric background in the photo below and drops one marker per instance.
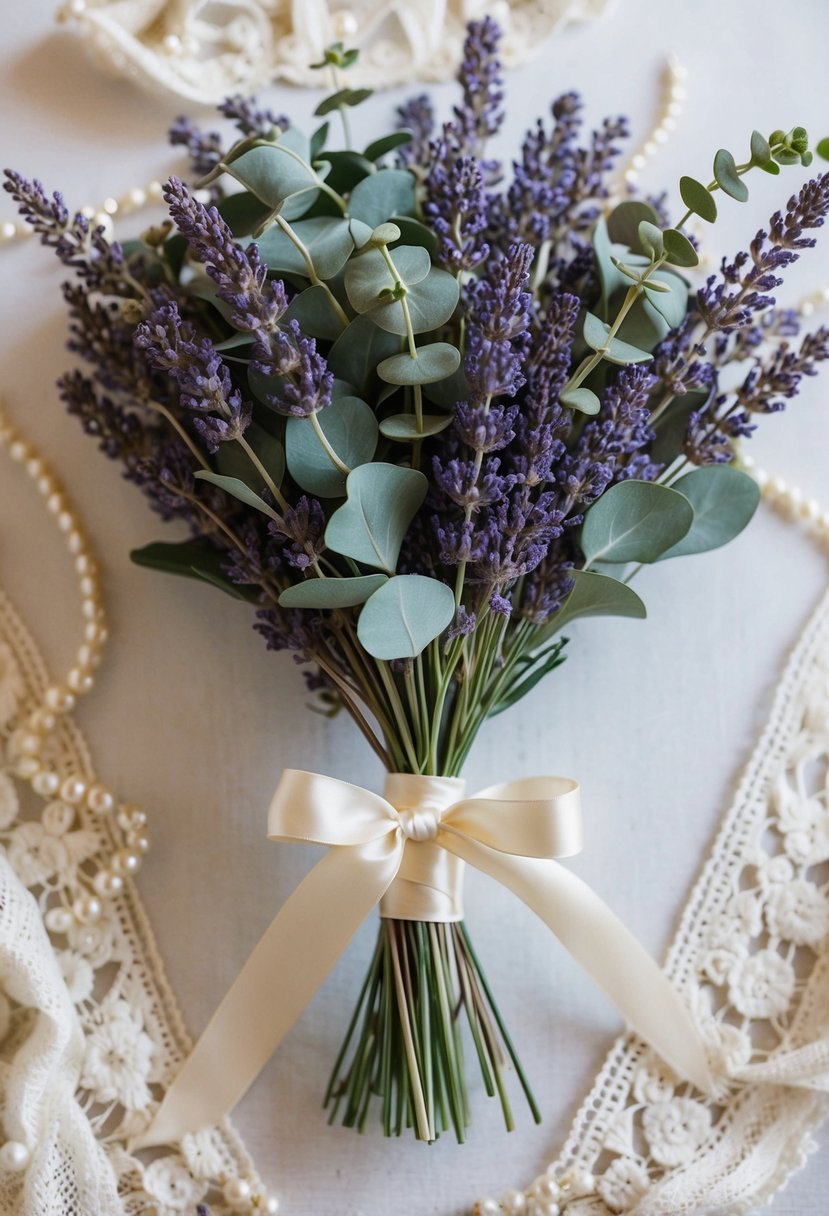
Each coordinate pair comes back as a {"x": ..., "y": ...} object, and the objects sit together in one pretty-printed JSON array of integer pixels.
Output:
[{"x": 192, "y": 718}]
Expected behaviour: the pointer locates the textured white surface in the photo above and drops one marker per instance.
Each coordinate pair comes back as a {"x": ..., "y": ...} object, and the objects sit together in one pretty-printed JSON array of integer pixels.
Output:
[{"x": 196, "y": 721}]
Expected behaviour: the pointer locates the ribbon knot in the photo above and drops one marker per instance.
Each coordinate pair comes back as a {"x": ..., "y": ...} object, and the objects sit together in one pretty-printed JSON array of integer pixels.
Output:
[
  {"x": 512, "y": 832},
  {"x": 420, "y": 824}
]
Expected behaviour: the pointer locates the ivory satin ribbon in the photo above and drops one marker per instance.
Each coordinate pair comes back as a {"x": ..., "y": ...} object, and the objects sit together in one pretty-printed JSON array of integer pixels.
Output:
[{"x": 511, "y": 832}]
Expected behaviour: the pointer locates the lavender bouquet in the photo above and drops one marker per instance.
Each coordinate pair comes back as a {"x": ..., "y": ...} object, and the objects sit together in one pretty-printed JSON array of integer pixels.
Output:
[{"x": 422, "y": 412}]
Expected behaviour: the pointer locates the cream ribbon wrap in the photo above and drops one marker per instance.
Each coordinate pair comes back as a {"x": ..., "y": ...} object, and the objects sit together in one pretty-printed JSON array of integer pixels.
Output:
[{"x": 405, "y": 850}]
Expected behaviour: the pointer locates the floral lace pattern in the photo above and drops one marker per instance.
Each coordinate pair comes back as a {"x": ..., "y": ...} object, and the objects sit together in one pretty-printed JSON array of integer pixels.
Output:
[
  {"x": 123, "y": 1034},
  {"x": 751, "y": 956}
]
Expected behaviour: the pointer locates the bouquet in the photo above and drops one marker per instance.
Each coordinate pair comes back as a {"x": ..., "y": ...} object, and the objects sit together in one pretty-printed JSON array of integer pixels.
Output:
[{"x": 423, "y": 411}]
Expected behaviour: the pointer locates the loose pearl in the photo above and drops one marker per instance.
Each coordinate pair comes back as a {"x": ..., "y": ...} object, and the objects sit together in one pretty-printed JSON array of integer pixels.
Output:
[
  {"x": 236, "y": 1191},
  {"x": 14, "y": 1155},
  {"x": 126, "y": 861},
  {"x": 46, "y": 783},
  {"x": 73, "y": 790},
  {"x": 108, "y": 884},
  {"x": 86, "y": 908},
  {"x": 271, "y": 1205},
  {"x": 99, "y": 799},
  {"x": 59, "y": 920}
]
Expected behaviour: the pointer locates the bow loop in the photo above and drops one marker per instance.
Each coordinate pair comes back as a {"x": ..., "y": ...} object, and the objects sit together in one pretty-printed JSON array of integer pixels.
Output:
[
  {"x": 311, "y": 808},
  {"x": 532, "y": 817}
]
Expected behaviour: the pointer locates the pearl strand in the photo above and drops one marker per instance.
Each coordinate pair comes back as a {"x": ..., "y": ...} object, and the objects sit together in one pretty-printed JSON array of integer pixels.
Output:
[
  {"x": 674, "y": 91},
  {"x": 101, "y": 215}
]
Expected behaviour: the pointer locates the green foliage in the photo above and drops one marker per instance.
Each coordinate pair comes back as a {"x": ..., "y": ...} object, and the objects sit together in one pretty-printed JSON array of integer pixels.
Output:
[
  {"x": 327, "y": 238},
  {"x": 726, "y": 177},
  {"x": 407, "y": 613},
  {"x": 597, "y": 337},
  {"x": 724, "y": 500},
  {"x": 434, "y": 362},
  {"x": 350, "y": 428},
  {"x": 650, "y": 239},
  {"x": 529, "y": 672},
  {"x": 582, "y": 399},
  {"x": 233, "y": 461},
  {"x": 383, "y": 194},
  {"x": 274, "y": 173},
  {"x": 237, "y": 489},
  {"x": 370, "y": 281},
  {"x": 192, "y": 559},
  {"x": 678, "y": 249},
  {"x": 596, "y": 595},
  {"x": 624, "y": 220},
  {"x": 316, "y": 314},
  {"x": 387, "y": 143},
  {"x": 382, "y": 500},
  {"x": 358, "y": 350},
  {"x": 697, "y": 199},
  {"x": 403, "y": 428},
  {"x": 343, "y": 97},
  {"x": 634, "y": 521},
  {"x": 823, "y": 149},
  {"x": 331, "y": 592}
]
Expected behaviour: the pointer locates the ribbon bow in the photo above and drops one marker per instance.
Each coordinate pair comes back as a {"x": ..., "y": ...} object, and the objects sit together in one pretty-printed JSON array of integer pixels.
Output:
[{"x": 407, "y": 850}]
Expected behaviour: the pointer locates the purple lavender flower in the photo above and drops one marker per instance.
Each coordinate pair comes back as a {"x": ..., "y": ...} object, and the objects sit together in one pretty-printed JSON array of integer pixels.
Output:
[
  {"x": 203, "y": 147},
  {"x": 204, "y": 383},
  {"x": 456, "y": 206},
  {"x": 498, "y": 306},
  {"x": 305, "y": 380},
  {"x": 418, "y": 116},
  {"x": 479, "y": 116},
  {"x": 252, "y": 121},
  {"x": 239, "y": 274}
]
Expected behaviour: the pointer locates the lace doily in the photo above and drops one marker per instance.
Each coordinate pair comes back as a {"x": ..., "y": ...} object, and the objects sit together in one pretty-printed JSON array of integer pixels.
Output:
[
  {"x": 89, "y": 1029},
  {"x": 203, "y": 50}
]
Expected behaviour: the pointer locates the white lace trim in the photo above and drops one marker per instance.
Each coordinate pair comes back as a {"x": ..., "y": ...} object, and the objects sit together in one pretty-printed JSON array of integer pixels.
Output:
[
  {"x": 204, "y": 50},
  {"x": 89, "y": 1029}
]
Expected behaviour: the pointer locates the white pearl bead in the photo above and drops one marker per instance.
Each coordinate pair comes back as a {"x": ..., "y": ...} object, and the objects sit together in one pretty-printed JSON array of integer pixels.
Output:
[
  {"x": 137, "y": 197},
  {"x": 99, "y": 799},
  {"x": 547, "y": 1188},
  {"x": 807, "y": 308},
  {"x": 236, "y": 1191},
  {"x": 59, "y": 920},
  {"x": 45, "y": 783},
  {"x": 639, "y": 161},
  {"x": 26, "y": 767},
  {"x": 108, "y": 884},
  {"x": 650, "y": 148},
  {"x": 83, "y": 564},
  {"x": 139, "y": 841},
  {"x": 42, "y": 721},
  {"x": 14, "y": 1155},
  {"x": 79, "y": 681},
  {"x": 487, "y": 1207},
  {"x": 25, "y": 743},
  {"x": 126, "y": 861},
  {"x": 86, "y": 908},
  {"x": 18, "y": 451},
  {"x": 155, "y": 190},
  {"x": 7, "y": 231},
  {"x": 110, "y": 205},
  {"x": 513, "y": 1201},
  {"x": 73, "y": 790},
  {"x": 35, "y": 467},
  {"x": 131, "y": 818},
  {"x": 271, "y": 1205},
  {"x": 811, "y": 509}
]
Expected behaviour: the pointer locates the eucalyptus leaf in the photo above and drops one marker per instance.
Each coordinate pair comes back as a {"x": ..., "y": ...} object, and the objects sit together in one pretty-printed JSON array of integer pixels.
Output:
[
  {"x": 358, "y": 350},
  {"x": 273, "y": 173},
  {"x": 193, "y": 559},
  {"x": 610, "y": 277},
  {"x": 671, "y": 304},
  {"x": 412, "y": 232},
  {"x": 243, "y": 212},
  {"x": 317, "y": 141},
  {"x": 822, "y": 148},
  {"x": 650, "y": 239},
  {"x": 382, "y": 500},
  {"x": 350, "y": 427},
  {"x": 595, "y": 595},
  {"x": 316, "y": 314},
  {"x": 343, "y": 97},
  {"x": 347, "y": 168},
  {"x": 672, "y": 426},
  {"x": 431, "y": 303},
  {"x": 697, "y": 199},
  {"x": 407, "y": 613},
  {"x": 233, "y": 461},
  {"x": 635, "y": 521},
  {"x": 727, "y": 178},
  {"x": 760, "y": 150},
  {"x": 644, "y": 327},
  {"x": 381, "y": 195},
  {"x": 327, "y": 238},
  {"x": 624, "y": 220},
  {"x": 387, "y": 143},
  {"x": 237, "y": 489},
  {"x": 678, "y": 249},
  {"x": 582, "y": 399},
  {"x": 368, "y": 275},
  {"x": 331, "y": 592},
  {"x": 433, "y": 362},
  {"x": 447, "y": 393},
  {"x": 403, "y": 427},
  {"x": 724, "y": 500}
]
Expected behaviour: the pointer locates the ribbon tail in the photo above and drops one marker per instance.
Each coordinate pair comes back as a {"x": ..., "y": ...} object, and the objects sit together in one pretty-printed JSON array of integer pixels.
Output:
[
  {"x": 608, "y": 951},
  {"x": 280, "y": 977}
]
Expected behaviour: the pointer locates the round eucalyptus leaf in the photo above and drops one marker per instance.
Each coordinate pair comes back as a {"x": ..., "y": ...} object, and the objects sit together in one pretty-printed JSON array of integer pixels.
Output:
[
  {"x": 760, "y": 150},
  {"x": 582, "y": 399},
  {"x": 237, "y": 489},
  {"x": 643, "y": 327},
  {"x": 331, "y": 592},
  {"x": 624, "y": 220},
  {"x": 678, "y": 249},
  {"x": 350, "y": 427},
  {"x": 724, "y": 500},
  {"x": 327, "y": 238},
  {"x": 360, "y": 233},
  {"x": 635, "y": 521},
  {"x": 727, "y": 178},
  {"x": 403, "y": 427},
  {"x": 345, "y": 169},
  {"x": 358, "y": 350},
  {"x": 382, "y": 500},
  {"x": 412, "y": 232},
  {"x": 697, "y": 199},
  {"x": 243, "y": 212},
  {"x": 315, "y": 312},
  {"x": 595, "y": 595},
  {"x": 381, "y": 195},
  {"x": 343, "y": 97},
  {"x": 822, "y": 148},
  {"x": 386, "y": 234},
  {"x": 368, "y": 275},
  {"x": 407, "y": 613},
  {"x": 431, "y": 303},
  {"x": 595, "y": 331},
  {"x": 433, "y": 362},
  {"x": 273, "y": 173}
]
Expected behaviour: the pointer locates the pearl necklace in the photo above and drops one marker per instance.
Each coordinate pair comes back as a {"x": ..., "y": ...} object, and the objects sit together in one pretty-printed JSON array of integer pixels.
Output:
[{"x": 68, "y": 794}]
